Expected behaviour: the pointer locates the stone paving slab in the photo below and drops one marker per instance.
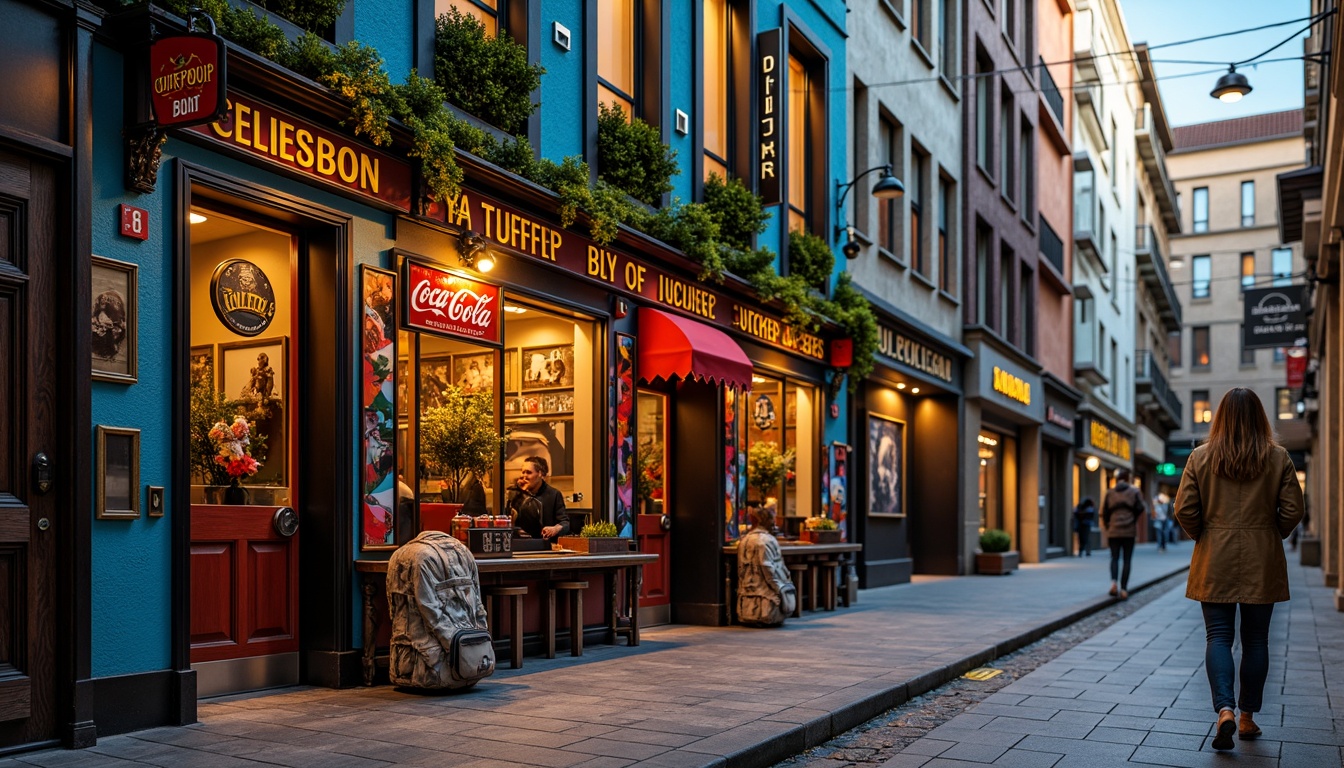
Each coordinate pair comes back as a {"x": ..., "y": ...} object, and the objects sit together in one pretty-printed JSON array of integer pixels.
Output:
[
  {"x": 703, "y": 696},
  {"x": 1159, "y": 711}
]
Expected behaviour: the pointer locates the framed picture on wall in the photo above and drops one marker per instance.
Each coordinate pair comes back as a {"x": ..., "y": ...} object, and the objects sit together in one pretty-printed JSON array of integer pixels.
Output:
[
  {"x": 547, "y": 367},
  {"x": 886, "y": 466},
  {"x": 118, "y": 474},
  {"x": 510, "y": 370},
  {"x": 474, "y": 373},
  {"x": 436, "y": 373},
  {"x": 403, "y": 388},
  {"x": 203, "y": 366},
  {"x": 114, "y": 308}
]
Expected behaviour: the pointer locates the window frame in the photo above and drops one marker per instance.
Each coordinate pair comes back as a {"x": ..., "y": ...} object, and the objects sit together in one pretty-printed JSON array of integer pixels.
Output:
[
  {"x": 737, "y": 89},
  {"x": 916, "y": 193},
  {"x": 1195, "y": 332},
  {"x": 1247, "y": 278},
  {"x": 651, "y": 61},
  {"x": 1280, "y": 278},
  {"x": 1248, "y": 219},
  {"x": 946, "y": 231},
  {"x": 1196, "y": 423},
  {"x": 815, "y": 57},
  {"x": 1201, "y": 288},
  {"x": 1199, "y": 200},
  {"x": 889, "y": 210}
]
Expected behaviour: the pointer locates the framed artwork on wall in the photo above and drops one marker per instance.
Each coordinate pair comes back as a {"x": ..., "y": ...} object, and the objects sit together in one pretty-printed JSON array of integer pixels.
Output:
[
  {"x": 118, "y": 473},
  {"x": 474, "y": 373},
  {"x": 114, "y": 305},
  {"x": 436, "y": 373},
  {"x": 510, "y": 370},
  {"x": 547, "y": 367},
  {"x": 886, "y": 466},
  {"x": 203, "y": 366}
]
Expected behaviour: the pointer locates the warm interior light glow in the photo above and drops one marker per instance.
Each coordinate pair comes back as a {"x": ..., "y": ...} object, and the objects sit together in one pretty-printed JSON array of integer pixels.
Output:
[
  {"x": 196, "y": 218},
  {"x": 757, "y": 379},
  {"x": 485, "y": 262},
  {"x": 901, "y": 385},
  {"x": 914, "y": 391},
  {"x": 514, "y": 308},
  {"x": 1092, "y": 463}
]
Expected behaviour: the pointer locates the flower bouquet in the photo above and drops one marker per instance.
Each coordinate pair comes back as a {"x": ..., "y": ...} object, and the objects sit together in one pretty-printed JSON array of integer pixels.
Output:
[{"x": 234, "y": 453}]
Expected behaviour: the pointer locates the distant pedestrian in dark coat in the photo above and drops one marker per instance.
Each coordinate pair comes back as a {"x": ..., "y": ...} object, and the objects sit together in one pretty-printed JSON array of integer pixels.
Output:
[
  {"x": 1238, "y": 499},
  {"x": 1121, "y": 511},
  {"x": 1083, "y": 516}
]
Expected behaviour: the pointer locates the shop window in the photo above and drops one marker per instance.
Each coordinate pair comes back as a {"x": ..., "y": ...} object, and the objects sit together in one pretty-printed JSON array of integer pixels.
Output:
[
  {"x": 1199, "y": 346},
  {"x": 234, "y": 375},
  {"x": 787, "y": 414},
  {"x": 1201, "y": 409},
  {"x": 991, "y": 480},
  {"x": 542, "y": 391},
  {"x": 651, "y": 452},
  {"x": 1201, "y": 277},
  {"x": 725, "y": 74}
]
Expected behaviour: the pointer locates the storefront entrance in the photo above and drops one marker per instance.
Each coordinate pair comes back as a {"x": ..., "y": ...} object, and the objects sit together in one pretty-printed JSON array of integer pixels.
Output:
[
  {"x": 28, "y": 551},
  {"x": 653, "y": 506}
]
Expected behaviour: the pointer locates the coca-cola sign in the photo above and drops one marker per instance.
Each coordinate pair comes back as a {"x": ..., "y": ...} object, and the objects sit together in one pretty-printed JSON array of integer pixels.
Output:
[{"x": 449, "y": 304}]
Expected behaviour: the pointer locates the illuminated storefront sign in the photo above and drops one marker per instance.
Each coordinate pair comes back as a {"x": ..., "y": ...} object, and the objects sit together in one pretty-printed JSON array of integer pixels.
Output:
[
  {"x": 187, "y": 79},
  {"x": 1107, "y": 440},
  {"x": 282, "y": 139},
  {"x": 450, "y": 304},
  {"x": 913, "y": 354},
  {"x": 531, "y": 237},
  {"x": 769, "y": 89},
  {"x": 1011, "y": 386}
]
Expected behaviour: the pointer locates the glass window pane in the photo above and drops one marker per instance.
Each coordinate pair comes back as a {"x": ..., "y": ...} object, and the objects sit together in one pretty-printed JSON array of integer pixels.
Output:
[
  {"x": 1247, "y": 203},
  {"x": 1174, "y": 348},
  {"x": 798, "y": 137},
  {"x": 784, "y": 413},
  {"x": 1199, "y": 347},
  {"x": 716, "y": 77},
  {"x": 1248, "y": 270},
  {"x": 714, "y": 167},
  {"x": 887, "y": 133},
  {"x": 1200, "y": 277},
  {"x": 616, "y": 43},
  {"x": 609, "y": 97},
  {"x": 1201, "y": 409},
  {"x": 483, "y": 11},
  {"x": 1281, "y": 262},
  {"x": 1201, "y": 214},
  {"x": 1283, "y": 399}
]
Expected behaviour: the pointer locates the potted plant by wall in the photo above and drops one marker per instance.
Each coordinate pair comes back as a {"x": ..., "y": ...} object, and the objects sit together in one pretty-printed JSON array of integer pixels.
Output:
[
  {"x": 767, "y": 467},
  {"x": 820, "y": 530},
  {"x": 596, "y": 539},
  {"x": 459, "y": 440},
  {"x": 996, "y": 556}
]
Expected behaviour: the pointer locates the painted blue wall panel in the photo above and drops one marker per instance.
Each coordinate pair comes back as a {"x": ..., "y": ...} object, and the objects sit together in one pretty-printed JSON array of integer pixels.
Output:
[
  {"x": 562, "y": 104},
  {"x": 681, "y": 80},
  {"x": 388, "y": 25}
]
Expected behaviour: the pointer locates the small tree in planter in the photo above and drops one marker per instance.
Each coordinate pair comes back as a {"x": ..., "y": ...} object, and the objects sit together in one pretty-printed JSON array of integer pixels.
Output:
[
  {"x": 996, "y": 556},
  {"x": 459, "y": 439},
  {"x": 767, "y": 467}
]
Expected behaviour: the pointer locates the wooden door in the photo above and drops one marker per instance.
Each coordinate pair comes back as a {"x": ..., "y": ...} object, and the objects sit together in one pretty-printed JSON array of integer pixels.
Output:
[
  {"x": 244, "y": 584},
  {"x": 653, "y": 540},
  {"x": 28, "y": 515}
]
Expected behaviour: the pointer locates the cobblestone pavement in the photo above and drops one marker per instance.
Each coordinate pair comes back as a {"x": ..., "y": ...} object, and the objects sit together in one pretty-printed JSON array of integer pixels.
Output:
[
  {"x": 879, "y": 740},
  {"x": 1134, "y": 693},
  {"x": 686, "y": 697}
]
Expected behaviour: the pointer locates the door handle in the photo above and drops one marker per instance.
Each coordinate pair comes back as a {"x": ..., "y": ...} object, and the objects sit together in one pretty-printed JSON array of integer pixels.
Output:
[{"x": 42, "y": 472}]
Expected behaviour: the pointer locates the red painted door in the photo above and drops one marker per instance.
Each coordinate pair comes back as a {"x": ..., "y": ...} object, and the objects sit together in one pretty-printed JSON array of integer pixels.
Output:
[
  {"x": 244, "y": 584},
  {"x": 31, "y": 518},
  {"x": 653, "y": 540}
]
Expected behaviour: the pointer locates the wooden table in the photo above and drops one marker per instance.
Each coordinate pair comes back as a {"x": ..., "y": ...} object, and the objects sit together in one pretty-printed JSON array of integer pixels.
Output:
[
  {"x": 794, "y": 552},
  {"x": 539, "y": 565}
]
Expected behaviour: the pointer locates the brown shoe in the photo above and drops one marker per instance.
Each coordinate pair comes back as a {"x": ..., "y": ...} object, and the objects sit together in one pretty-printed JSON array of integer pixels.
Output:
[
  {"x": 1247, "y": 729},
  {"x": 1227, "y": 725}
]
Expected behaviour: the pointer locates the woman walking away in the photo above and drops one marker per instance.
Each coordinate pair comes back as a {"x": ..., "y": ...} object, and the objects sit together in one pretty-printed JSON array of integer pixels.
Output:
[
  {"x": 1083, "y": 515},
  {"x": 1238, "y": 499},
  {"x": 1121, "y": 511}
]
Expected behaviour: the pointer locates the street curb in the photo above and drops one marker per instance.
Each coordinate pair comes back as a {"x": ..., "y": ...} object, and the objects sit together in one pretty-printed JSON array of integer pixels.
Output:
[{"x": 820, "y": 730}]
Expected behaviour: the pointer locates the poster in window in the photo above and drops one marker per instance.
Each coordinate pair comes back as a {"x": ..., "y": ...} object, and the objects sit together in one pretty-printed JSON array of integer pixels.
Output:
[
  {"x": 548, "y": 367},
  {"x": 552, "y": 440},
  {"x": 886, "y": 466},
  {"x": 378, "y": 398},
  {"x": 474, "y": 373},
  {"x": 436, "y": 373},
  {"x": 113, "y": 314}
]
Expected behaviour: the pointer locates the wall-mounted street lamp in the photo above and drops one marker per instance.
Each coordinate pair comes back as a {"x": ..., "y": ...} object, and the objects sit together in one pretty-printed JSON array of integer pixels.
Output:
[
  {"x": 887, "y": 188},
  {"x": 475, "y": 252},
  {"x": 1092, "y": 463},
  {"x": 1231, "y": 86}
]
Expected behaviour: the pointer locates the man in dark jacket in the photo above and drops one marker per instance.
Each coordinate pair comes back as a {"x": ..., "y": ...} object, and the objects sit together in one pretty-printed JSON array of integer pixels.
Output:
[
  {"x": 1121, "y": 511},
  {"x": 539, "y": 509}
]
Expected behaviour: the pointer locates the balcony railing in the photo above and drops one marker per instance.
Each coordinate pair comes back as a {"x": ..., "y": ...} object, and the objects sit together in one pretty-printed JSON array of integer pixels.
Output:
[
  {"x": 1051, "y": 93},
  {"x": 1052, "y": 247},
  {"x": 1152, "y": 390},
  {"x": 1153, "y": 271}
]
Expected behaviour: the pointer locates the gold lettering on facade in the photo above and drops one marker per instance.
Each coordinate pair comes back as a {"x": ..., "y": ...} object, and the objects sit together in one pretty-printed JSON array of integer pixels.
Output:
[
  {"x": 276, "y": 137},
  {"x": 912, "y": 353},
  {"x": 1011, "y": 386},
  {"x": 1105, "y": 439}
]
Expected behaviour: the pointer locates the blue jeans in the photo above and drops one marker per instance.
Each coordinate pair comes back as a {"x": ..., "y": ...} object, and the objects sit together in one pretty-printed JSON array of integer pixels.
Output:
[
  {"x": 1219, "y": 629},
  {"x": 1121, "y": 547}
]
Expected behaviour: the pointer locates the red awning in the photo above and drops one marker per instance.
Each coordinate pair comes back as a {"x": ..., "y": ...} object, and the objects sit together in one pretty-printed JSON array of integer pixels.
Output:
[{"x": 672, "y": 348}]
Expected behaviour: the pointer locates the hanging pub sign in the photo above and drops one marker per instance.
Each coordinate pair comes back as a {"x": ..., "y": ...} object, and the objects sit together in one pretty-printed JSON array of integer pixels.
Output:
[
  {"x": 769, "y": 91},
  {"x": 450, "y": 304},
  {"x": 1295, "y": 364},
  {"x": 187, "y": 79},
  {"x": 242, "y": 296},
  {"x": 1274, "y": 317}
]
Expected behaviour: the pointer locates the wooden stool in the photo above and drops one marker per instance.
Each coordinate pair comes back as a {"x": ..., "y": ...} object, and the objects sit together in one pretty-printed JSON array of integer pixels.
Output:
[
  {"x": 575, "y": 590},
  {"x": 495, "y": 594},
  {"x": 797, "y": 571},
  {"x": 826, "y": 568}
]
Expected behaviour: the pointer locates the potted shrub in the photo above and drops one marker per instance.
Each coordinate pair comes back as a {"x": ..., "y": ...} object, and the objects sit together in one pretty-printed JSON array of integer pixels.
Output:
[
  {"x": 996, "y": 556},
  {"x": 649, "y": 480},
  {"x": 596, "y": 539},
  {"x": 458, "y": 438},
  {"x": 767, "y": 467},
  {"x": 820, "y": 530}
]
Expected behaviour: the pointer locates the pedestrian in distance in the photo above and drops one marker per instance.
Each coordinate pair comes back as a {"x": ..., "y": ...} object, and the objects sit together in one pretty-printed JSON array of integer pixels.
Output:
[
  {"x": 1162, "y": 520},
  {"x": 1083, "y": 516},
  {"x": 1238, "y": 500},
  {"x": 1121, "y": 511}
]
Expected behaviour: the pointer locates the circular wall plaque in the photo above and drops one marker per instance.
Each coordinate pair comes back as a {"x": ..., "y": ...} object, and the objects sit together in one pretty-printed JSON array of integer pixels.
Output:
[{"x": 242, "y": 297}]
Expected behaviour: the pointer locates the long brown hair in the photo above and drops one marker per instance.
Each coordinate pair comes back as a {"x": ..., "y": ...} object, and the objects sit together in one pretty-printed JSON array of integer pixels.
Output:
[{"x": 1240, "y": 438}]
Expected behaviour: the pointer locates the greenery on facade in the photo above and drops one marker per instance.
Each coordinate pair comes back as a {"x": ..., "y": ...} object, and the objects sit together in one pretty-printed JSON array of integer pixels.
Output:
[
  {"x": 489, "y": 77},
  {"x": 632, "y": 157},
  {"x": 994, "y": 540},
  {"x": 717, "y": 234}
]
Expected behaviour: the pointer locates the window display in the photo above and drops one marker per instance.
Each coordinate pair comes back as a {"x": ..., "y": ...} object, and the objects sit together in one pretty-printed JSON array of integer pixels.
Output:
[{"x": 779, "y": 419}]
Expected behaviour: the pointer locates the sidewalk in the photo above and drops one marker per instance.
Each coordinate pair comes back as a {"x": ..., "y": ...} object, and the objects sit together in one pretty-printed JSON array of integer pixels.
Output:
[
  {"x": 688, "y": 696},
  {"x": 1136, "y": 693}
]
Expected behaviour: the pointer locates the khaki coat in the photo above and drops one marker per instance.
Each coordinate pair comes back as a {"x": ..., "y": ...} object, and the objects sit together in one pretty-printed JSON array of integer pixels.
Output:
[{"x": 1239, "y": 527}]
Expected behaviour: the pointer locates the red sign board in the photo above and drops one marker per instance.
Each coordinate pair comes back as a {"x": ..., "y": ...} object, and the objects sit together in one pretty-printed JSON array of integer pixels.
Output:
[
  {"x": 1295, "y": 363},
  {"x": 260, "y": 130},
  {"x": 134, "y": 221},
  {"x": 449, "y": 304},
  {"x": 187, "y": 79}
]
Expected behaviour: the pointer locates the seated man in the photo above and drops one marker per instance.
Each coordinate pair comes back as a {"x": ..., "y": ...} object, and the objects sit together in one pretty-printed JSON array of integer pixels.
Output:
[
  {"x": 538, "y": 509},
  {"x": 765, "y": 595}
]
